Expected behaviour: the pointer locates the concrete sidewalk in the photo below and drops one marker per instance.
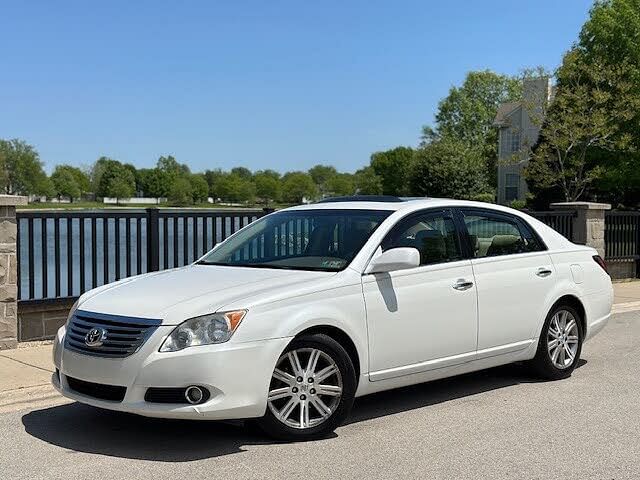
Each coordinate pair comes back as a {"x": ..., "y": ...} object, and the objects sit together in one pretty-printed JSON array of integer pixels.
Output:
[{"x": 25, "y": 373}]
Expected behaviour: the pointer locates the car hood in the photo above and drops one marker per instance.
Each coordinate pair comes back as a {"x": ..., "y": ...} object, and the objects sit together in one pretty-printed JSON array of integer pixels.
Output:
[{"x": 177, "y": 294}]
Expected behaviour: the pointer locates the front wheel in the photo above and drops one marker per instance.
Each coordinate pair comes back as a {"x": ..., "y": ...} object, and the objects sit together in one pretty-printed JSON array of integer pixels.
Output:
[
  {"x": 560, "y": 344},
  {"x": 311, "y": 391}
]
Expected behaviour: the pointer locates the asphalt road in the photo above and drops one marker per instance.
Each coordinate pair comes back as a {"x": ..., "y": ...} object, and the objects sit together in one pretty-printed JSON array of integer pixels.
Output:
[{"x": 496, "y": 424}]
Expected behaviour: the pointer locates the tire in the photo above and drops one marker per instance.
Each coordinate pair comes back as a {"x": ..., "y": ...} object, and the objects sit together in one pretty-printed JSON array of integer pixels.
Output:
[
  {"x": 543, "y": 363},
  {"x": 295, "y": 409}
]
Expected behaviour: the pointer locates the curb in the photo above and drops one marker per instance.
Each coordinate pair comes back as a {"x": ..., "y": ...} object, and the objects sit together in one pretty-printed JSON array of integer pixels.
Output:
[
  {"x": 625, "y": 307},
  {"x": 30, "y": 397}
]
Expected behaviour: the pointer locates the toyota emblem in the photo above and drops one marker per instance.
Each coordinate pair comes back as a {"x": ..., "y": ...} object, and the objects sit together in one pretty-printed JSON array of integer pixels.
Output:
[{"x": 95, "y": 337}]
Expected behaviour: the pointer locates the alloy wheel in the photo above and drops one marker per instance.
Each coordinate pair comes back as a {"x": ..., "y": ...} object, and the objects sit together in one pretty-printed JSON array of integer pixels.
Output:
[
  {"x": 563, "y": 339},
  {"x": 306, "y": 387}
]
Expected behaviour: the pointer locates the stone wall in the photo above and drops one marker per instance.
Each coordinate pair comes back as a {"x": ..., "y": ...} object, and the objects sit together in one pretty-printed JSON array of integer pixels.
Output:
[
  {"x": 8, "y": 270},
  {"x": 620, "y": 270},
  {"x": 588, "y": 224},
  {"x": 40, "y": 320}
]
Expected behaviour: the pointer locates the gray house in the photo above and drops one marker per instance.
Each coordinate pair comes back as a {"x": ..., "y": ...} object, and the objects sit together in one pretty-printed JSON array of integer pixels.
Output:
[{"x": 518, "y": 126}]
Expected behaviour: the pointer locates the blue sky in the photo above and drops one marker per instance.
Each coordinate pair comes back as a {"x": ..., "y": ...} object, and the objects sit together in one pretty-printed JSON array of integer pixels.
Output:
[{"x": 282, "y": 85}]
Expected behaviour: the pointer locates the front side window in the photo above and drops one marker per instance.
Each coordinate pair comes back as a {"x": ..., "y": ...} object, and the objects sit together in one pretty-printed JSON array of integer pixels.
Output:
[
  {"x": 322, "y": 239},
  {"x": 493, "y": 235},
  {"x": 433, "y": 234}
]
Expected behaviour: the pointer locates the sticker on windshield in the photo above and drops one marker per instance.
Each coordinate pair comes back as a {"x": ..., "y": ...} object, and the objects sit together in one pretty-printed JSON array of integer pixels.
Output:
[{"x": 332, "y": 263}]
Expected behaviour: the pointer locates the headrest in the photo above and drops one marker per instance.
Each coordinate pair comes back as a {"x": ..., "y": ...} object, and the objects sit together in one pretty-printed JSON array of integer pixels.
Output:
[{"x": 504, "y": 240}]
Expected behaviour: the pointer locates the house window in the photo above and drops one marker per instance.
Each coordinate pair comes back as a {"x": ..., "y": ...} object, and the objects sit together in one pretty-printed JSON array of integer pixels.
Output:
[
  {"x": 514, "y": 145},
  {"x": 512, "y": 183},
  {"x": 511, "y": 141}
]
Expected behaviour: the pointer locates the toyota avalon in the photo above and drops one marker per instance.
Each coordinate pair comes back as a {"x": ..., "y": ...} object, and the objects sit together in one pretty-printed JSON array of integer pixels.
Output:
[{"x": 301, "y": 311}]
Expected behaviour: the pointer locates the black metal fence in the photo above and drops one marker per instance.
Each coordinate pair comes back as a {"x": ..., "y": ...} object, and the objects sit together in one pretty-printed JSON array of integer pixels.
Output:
[
  {"x": 622, "y": 235},
  {"x": 560, "y": 221},
  {"x": 65, "y": 253}
]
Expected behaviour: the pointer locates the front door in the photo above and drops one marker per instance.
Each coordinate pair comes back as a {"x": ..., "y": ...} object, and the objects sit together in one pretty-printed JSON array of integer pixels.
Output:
[{"x": 424, "y": 317}]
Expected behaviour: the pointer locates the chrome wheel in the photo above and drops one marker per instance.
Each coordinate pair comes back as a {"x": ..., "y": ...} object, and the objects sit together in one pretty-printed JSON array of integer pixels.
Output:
[
  {"x": 563, "y": 339},
  {"x": 305, "y": 388}
]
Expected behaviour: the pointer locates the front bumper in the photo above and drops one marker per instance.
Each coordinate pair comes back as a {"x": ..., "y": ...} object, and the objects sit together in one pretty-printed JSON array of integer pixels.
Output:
[{"x": 236, "y": 374}]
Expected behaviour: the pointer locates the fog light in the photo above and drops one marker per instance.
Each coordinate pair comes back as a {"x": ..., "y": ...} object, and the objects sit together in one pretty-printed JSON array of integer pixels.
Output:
[{"x": 194, "y": 395}]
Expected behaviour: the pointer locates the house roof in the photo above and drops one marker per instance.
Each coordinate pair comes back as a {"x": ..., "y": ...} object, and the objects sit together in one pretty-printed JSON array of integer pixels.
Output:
[{"x": 504, "y": 110}]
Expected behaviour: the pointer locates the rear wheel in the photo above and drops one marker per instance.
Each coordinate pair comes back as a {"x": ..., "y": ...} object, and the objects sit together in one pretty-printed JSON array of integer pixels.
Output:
[
  {"x": 560, "y": 344},
  {"x": 311, "y": 391}
]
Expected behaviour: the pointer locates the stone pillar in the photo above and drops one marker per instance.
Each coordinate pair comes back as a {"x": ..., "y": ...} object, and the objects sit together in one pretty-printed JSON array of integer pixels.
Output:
[
  {"x": 588, "y": 225},
  {"x": 9, "y": 270}
]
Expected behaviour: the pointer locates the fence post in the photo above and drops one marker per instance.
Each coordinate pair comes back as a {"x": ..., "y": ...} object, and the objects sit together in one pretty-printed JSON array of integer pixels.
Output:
[
  {"x": 153, "y": 240},
  {"x": 9, "y": 270},
  {"x": 588, "y": 224}
]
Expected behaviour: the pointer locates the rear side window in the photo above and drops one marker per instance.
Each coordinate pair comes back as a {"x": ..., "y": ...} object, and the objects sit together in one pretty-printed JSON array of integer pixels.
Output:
[
  {"x": 492, "y": 235},
  {"x": 433, "y": 234}
]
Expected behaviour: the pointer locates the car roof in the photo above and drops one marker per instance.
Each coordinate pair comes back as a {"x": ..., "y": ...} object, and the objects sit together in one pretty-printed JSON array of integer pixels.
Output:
[{"x": 399, "y": 203}]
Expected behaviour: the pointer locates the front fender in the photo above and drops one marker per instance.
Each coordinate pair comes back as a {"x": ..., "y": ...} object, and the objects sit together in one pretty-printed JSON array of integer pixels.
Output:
[{"x": 341, "y": 308}]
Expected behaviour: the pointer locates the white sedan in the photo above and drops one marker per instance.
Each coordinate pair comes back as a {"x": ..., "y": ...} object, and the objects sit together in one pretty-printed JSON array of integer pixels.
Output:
[{"x": 298, "y": 313}]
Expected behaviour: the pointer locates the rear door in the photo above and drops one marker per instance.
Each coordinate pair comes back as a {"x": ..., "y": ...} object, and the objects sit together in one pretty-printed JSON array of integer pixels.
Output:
[{"x": 514, "y": 275}]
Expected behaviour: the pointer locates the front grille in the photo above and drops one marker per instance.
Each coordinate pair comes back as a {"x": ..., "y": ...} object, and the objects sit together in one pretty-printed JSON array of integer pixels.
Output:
[
  {"x": 97, "y": 390},
  {"x": 119, "y": 336}
]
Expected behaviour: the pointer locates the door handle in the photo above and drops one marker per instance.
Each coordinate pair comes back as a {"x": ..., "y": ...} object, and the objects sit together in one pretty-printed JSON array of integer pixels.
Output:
[
  {"x": 462, "y": 284},
  {"x": 543, "y": 272}
]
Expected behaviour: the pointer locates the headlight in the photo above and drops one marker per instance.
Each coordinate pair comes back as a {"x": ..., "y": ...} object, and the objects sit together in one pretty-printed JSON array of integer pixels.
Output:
[
  {"x": 72, "y": 311},
  {"x": 204, "y": 330}
]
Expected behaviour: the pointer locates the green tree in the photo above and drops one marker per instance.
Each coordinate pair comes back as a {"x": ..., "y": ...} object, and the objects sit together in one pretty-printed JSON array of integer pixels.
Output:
[
  {"x": 65, "y": 183},
  {"x": 321, "y": 174},
  {"x": 213, "y": 178},
  {"x": 119, "y": 183},
  {"x": 367, "y": 182},
  {"x": 181, "y": 192},
  {"x": 448, "y": 168},
  {"x": 199, "y": 187},
  {"x": 234, "y": 188},
  {"x": 172, "y": 167},
  {"x": 611, "y": 38},
  {"x": 112, "y": 179},
  {"x": 267, "y": 186},
  {"x": 154, "y": 182},
  {"x": 297, "y": 187},
  {"x": 593, "y": 103},
  {"x": 63, "y": 175},
  {"x": 392, "y": 166},
  {"x": 467, "y": 113},
  {"x": 242, "y": 172},
  {"x": 21, "y": 169},
  {"x": 341, "y": 184}
]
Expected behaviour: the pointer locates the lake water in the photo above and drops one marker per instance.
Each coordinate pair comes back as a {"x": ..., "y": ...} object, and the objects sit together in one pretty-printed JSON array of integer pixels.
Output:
[{"x": 173, "y": 243}]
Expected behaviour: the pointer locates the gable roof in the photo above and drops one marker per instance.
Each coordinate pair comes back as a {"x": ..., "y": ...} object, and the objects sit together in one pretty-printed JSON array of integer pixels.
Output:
[{"x": 504, "y": 110}]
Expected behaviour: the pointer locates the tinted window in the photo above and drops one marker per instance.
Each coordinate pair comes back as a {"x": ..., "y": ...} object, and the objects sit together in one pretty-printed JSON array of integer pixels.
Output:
[
  {"x": 434, "y": 235},
  {"x": 320, "y": 239},
  {"x": 492, "y": 235}
]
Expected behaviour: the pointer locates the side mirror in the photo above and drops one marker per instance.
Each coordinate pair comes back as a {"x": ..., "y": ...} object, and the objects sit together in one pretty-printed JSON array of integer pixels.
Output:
[{"x": 400, "y": 258}]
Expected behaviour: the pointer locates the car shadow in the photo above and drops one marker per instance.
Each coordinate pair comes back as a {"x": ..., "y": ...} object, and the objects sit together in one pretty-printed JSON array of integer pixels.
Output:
[{"x": 82, "y": 428}]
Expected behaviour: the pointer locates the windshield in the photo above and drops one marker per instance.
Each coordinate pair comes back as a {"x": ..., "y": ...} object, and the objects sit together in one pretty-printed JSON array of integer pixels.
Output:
[{"x": 322, "y": 239}]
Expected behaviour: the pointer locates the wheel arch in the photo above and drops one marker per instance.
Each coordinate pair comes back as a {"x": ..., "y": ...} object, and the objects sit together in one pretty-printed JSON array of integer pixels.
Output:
[
  {"x": 576, "y": 303},
  {"x": 339, "y": 336}
]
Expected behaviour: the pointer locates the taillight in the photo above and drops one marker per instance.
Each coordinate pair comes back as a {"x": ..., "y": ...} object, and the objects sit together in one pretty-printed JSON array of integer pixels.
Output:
[{"x": 600, "y": 261}]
